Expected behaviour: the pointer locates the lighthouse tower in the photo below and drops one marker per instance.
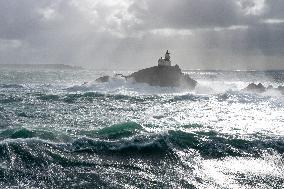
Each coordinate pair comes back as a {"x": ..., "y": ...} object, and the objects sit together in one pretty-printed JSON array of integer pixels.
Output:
[{"x": 166, "y": 61}]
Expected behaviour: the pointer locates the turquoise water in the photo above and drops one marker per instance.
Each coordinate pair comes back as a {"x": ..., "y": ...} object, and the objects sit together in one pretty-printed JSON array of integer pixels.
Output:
[{"x": 57, "y": 132}]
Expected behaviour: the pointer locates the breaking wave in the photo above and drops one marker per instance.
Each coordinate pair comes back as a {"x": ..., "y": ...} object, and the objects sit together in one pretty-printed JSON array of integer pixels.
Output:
[
  {"x": 33, "y": 158},
  {"x": 130, "y": 137},
  {"x": 56, "y": 133}
]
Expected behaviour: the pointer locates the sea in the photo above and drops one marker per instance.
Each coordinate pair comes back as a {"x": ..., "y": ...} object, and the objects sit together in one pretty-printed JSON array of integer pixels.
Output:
[{"x": 59, "y": 128}]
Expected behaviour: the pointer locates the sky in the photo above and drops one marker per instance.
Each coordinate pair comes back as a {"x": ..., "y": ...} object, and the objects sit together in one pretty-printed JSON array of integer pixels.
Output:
[{"x": 134, "y": 34}]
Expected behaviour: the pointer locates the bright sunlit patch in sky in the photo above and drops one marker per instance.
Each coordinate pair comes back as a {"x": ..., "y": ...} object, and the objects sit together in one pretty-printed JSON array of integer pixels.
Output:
[
  {"x": 223, "y": 34},
  {"x": 253, "y": 7},
  {"x": 273, "y": 21},
  {"x": 171, "y": 32}
]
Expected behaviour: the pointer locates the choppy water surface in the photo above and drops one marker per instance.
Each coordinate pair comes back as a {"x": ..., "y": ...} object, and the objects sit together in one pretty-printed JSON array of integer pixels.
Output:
[{"x": 57, "y": 133}]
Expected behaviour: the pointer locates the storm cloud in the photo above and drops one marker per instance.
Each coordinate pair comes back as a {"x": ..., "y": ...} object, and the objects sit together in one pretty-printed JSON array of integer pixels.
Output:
[{"x": 128, "y": 34}]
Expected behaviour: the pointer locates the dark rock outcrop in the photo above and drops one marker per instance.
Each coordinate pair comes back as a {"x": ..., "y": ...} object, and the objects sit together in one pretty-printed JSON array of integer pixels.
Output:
[
  {"x": 164, "y": 76},
  {"x": 255, "y": 88},
  {"x": 260, "y": 88},
  {"x": 103, "y": 79}
]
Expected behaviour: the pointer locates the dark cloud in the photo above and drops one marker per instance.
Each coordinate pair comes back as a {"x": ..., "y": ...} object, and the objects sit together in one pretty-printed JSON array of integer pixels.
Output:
[
  {"x": 19, "y": 18},
  {"x": 275, "y": 9},
  {"x": 133, "y": 34},
  {"x": 189, "y": 13}
]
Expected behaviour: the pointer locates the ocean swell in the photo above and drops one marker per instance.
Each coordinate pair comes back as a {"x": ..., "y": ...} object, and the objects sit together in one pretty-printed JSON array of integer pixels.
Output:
[
  {"x": 130, "y": 138},
  {"x": 29, "y": 155}
]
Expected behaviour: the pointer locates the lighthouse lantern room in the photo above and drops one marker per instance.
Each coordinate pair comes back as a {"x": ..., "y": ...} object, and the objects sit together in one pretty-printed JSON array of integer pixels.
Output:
[{"x": 166, "y": 61}]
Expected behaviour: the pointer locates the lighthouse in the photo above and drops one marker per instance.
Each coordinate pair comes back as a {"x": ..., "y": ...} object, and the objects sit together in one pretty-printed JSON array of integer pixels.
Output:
[{"x": 166, "y": 61}]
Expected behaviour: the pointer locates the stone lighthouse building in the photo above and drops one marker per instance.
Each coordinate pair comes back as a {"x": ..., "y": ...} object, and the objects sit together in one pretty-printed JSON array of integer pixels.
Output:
[{"x": 166, "y": 61}]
